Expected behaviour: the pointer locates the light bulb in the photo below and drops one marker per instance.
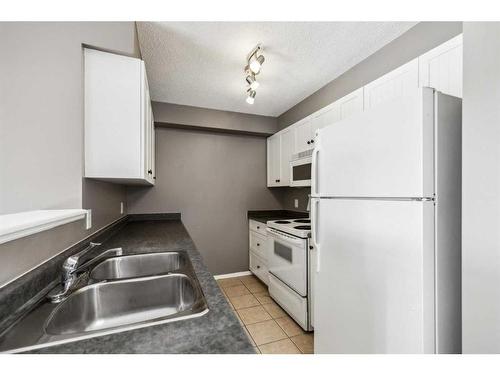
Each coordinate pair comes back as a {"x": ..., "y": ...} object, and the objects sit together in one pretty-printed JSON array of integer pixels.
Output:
[
  {"x": 252, "y": 81},
  {"x": 251, "y": 96},
  {"x": 254, "y": 85},
  {"x": 256, "y": 64}
]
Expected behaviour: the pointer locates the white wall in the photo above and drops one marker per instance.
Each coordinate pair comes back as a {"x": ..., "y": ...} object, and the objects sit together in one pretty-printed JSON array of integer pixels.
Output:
[{"x": 481, "y": 188}]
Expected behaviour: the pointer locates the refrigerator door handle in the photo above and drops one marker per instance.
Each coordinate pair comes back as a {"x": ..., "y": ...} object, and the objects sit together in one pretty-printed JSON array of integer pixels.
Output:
[
  {"x": 314, "y": 232},
  {"x": 314, "y": 170}
]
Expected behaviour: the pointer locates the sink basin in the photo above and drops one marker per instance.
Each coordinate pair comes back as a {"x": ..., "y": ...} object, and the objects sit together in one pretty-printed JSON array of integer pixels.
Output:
[
  {"x": 123, "y": 293},
  {"x": 138, "y": 265},
  {"x": 119, "y": 303}
]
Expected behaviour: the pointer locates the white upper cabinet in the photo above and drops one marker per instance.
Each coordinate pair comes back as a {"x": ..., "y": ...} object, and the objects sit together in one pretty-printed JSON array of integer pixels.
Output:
[
  {"x": 303, "y": 135},
  {"x": 339, "y": 110},
  {"x": 119, "y": 126},
  {"x": 287, "y": 150},
  {"x": 392, "y": 85},
  {"x": 346, "y": 106},
  {"x": 441, "y": 67},
  {"x": 274, "y": 160}
]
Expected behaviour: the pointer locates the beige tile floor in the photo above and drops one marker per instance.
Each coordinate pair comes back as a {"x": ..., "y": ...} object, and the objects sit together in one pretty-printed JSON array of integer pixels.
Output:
[{"x": 268, "y": 326}]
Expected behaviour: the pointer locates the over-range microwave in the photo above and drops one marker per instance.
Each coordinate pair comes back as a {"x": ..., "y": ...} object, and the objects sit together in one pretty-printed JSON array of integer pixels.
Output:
[{"x": 300, "y": 168}]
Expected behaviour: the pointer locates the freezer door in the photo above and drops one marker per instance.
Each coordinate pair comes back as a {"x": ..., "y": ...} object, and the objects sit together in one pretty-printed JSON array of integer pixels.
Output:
[
  {"x": 374, "y": 287},
  {"x": 386, "y": 151}
]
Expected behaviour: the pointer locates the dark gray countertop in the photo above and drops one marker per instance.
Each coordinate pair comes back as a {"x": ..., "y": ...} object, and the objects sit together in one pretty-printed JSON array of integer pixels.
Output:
[
  {"x": 218, "y": 331},
  {"x": 264, "y": 215}
]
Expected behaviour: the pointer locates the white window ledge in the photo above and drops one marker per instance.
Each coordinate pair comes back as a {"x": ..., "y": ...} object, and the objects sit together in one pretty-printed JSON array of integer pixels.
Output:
[{"x": 22, "y": 224}]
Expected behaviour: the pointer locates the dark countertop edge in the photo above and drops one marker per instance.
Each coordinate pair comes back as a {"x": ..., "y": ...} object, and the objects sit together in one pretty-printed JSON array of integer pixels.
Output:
[
  {"x": 265, "y": 215},
  {"x": 201, "y": 273}
]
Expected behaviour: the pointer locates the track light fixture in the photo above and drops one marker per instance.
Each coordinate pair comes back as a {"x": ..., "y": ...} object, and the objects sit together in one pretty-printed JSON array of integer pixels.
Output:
[{"x": 255, "y": 59}]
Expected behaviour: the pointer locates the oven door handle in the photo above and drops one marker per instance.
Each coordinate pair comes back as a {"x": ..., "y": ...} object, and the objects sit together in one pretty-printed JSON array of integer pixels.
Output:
[{"x": 286, "y": 238}]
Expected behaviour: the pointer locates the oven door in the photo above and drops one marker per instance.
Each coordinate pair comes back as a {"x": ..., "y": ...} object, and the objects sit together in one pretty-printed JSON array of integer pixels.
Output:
[
  {"x": 300, "y": 172},
  {"x": 288, "y": 260}
]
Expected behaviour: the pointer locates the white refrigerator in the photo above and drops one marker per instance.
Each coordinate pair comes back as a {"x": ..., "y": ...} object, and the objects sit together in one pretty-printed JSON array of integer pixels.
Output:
[{"x": 385, "y": 210}]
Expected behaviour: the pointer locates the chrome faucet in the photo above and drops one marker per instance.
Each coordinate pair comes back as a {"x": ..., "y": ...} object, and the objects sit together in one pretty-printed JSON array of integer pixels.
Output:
[{"x": 72, "y": 265}]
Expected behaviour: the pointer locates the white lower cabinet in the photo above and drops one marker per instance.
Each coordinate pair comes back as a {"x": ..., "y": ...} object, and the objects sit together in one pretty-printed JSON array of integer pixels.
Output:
[
  {"x": 259, "y": 267},
  {"x": 258, "y": 250},
  {"x": 258, "y": 244}
]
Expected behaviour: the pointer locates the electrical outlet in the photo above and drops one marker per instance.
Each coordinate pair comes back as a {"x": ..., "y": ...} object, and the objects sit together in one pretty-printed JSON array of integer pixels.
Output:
[
  {"x": 121, "y": 208},
  {"x": 296, "y": 203},
  {"x": 88, "y": 220}
]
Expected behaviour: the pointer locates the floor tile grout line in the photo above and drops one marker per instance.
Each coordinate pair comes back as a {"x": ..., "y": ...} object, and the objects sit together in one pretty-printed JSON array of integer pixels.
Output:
[
  {"x": 300, "y": 351},
  {"x": 244, "y": 325},
  {"x": 274, "y": 340}
]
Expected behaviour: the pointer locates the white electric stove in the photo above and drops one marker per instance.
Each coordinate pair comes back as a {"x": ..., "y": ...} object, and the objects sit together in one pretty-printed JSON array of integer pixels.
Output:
[
  {"x": 289, "y": 260},
  {"x": 296, "y": 227}
]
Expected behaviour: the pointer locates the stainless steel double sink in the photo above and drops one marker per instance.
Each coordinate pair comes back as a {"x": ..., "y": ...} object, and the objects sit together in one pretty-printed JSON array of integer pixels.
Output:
[{"x": 120, "y": 293}]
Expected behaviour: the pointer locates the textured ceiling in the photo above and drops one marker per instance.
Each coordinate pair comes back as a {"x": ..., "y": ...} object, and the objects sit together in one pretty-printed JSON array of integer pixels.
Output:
[{"x": 201, "y": 63}]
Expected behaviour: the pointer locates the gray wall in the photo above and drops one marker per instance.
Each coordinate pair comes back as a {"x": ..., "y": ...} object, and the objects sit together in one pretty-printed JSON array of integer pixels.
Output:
[
  {"x": 481, "y": 189},
  {"x": 41, "y": 131},
  {"x": 213, "y": 179},
  {"x": 183, "y": 116},
  {"x": 419, "y": 39},
  {"x": 289, "y": 194}
]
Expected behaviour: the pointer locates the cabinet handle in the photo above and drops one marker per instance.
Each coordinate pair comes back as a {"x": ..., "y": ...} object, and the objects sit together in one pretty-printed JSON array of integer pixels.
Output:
[
  {"x": 258, "y": 227},
  {"x": 150, "y": 171},
  {"x": 308, "y": 142},
  {"x": 258, "y": 267},
  {"x": 312, "y": 140},
  {"x": 278, "y": 180},
  {"x": 258, "y": 244}
]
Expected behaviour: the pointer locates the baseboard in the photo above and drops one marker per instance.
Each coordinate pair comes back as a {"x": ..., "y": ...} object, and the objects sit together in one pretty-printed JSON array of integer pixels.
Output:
[{"x": 235, "y": 274}]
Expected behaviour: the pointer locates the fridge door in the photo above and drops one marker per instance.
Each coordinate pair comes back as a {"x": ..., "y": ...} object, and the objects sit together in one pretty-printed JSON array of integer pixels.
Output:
[
  {"x": 374, "y": 291},
  {"x": 386, "y": 151}
]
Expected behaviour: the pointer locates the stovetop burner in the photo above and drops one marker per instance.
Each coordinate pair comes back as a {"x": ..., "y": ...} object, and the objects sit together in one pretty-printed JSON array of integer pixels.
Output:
[
  {"x": 282, "y": 222},
  {"x": 307, "y": 221},
  {"x": 303, "y": 227}
]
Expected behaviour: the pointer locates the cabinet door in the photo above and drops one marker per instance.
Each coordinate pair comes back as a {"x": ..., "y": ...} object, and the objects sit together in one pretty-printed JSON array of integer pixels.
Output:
[
  {"x": 303, "y": 136},
  {"x": 113, "y": 116},
  {"x": 287, "y": 150},
  {"x": 392, "y": 85},
  {"x": 273, "y": 160},
  {"x": 441, "y": 67},
  {"x": 339, "y": 110}
]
